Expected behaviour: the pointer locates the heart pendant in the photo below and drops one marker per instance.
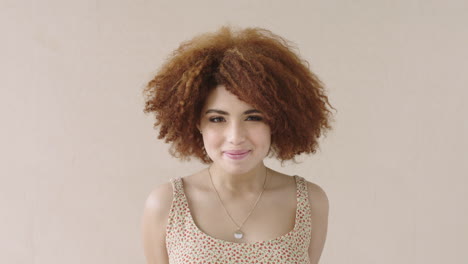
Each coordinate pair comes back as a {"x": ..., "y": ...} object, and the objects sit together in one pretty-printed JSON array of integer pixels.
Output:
[{"x": 238, "y": 234}]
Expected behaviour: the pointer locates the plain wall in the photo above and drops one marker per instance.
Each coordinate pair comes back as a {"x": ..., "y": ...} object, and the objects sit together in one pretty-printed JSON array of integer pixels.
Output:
[{"x": 79, "y": 156}]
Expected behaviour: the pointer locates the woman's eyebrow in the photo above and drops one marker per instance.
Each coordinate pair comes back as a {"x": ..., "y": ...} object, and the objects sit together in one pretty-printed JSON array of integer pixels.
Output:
[{"x": 221, "y": 112}]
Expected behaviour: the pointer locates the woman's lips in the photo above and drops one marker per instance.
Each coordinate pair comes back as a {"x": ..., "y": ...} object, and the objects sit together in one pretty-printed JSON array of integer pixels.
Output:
[{"x": 237, "y": 155}]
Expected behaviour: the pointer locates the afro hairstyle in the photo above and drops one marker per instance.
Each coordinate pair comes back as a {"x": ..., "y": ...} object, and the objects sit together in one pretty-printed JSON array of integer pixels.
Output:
[{"x": 261, "y": 69}]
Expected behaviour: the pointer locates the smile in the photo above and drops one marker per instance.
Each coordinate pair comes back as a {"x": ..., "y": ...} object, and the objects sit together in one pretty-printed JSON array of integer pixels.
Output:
[{"x": 236, "y": 156}]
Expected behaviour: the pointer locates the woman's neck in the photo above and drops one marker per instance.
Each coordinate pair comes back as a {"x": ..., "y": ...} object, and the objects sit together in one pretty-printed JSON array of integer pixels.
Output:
[{"x": 248, "y": 182}]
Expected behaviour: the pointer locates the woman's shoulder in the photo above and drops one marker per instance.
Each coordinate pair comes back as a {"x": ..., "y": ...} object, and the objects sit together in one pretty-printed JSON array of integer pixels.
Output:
[
  {"x": 154, "y": 221},
  {"x": 318, "y": 198},
  {"x": 315, "y": 190},
  {"x": 160, "y": 198},
  {"x": 317, "y": 195}
]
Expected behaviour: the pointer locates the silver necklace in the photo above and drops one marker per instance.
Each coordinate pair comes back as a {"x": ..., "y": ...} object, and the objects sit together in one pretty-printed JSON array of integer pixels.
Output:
[{"x": 238, "y": 234}]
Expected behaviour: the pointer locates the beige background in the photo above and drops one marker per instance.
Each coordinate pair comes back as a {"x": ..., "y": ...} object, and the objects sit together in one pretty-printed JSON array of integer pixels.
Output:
[{"x": 79, "y": 156}]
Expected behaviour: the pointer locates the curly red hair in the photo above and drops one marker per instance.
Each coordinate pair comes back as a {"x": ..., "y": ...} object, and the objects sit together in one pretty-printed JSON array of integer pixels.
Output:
[{"x": 257, "y": 66}]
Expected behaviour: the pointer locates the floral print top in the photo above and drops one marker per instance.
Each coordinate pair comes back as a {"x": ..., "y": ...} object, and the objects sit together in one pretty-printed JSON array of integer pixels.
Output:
[{"x": 186, "y": 243}]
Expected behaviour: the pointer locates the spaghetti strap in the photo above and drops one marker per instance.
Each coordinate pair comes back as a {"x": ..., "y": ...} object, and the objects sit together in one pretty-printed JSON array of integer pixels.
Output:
[
  {"x": 177, "y": 186},
  {"x": 304, "y": 210}
]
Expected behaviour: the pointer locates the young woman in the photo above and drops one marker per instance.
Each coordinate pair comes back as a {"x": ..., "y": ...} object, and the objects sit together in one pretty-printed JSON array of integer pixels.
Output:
[{"x": 231, "y": 99}]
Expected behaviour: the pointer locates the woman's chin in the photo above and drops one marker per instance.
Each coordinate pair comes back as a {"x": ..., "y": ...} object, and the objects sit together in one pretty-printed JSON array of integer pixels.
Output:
[{"x": 237, "y": 168}]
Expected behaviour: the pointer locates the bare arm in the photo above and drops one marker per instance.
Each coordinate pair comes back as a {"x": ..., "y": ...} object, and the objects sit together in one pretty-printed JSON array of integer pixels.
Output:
[
  {"x": 319, "y": 216},
  {"x": 153, "y": 224}
]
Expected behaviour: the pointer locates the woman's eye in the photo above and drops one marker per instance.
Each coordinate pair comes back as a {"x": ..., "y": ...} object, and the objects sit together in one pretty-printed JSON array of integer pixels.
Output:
[
  {"x": 255, "y": 118},
  {"x": 219, "y": 119},
  {"x": 216, "y": 119}
]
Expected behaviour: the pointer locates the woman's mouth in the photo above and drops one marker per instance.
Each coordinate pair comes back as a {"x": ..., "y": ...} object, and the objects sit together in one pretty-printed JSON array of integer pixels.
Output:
[{"x": 236, "y": 155}]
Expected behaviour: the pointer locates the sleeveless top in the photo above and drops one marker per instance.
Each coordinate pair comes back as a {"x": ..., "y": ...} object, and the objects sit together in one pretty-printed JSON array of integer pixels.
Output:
[{"x": 186, "y": 243}]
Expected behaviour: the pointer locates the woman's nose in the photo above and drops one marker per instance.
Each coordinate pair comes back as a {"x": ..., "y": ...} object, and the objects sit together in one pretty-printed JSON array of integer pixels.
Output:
[{"x": 236, "y": 133}]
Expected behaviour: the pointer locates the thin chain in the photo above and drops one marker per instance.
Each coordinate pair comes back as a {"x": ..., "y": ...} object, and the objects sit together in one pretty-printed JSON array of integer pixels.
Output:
[{"x": 255, "y": 205}]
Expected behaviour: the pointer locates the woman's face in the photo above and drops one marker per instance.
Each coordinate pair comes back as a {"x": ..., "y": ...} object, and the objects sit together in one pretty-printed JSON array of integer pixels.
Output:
[{"x": 235, "y": 135}]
